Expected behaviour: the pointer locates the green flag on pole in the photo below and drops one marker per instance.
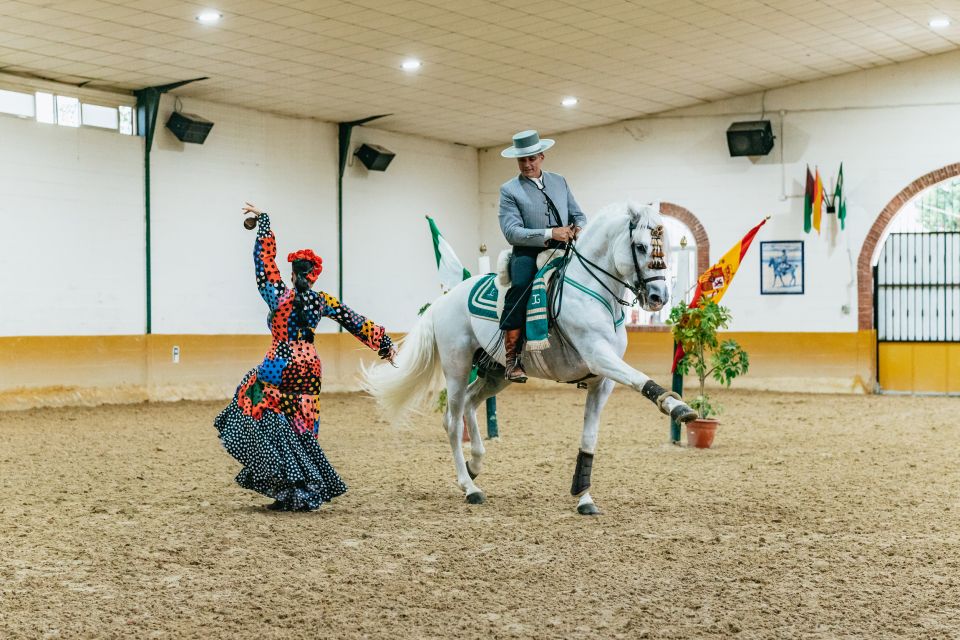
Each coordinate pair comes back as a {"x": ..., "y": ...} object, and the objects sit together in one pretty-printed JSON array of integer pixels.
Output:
[
  {"x": 451, "y": 269},
  {"x": 808, "y": 202},
  {"x": 840, "y": 200}
]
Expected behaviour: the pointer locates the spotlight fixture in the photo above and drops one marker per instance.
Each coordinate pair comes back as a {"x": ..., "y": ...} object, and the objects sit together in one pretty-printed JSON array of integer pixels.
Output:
[
  {"x": 569, "y": 101},
  {"x": 411, "y": 65},
  {"x": 209, "y": 16},
  {"x": 939, "y": 23}
]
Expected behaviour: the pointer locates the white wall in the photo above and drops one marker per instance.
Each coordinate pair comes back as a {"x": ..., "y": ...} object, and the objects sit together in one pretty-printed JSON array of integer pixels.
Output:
[
  {"x": 202, "y": 255},
  {"x": 71, "y": 210},
  {"x": 389, "y": 263},
  {"x": 888, "y": 126},
  {"x": 203, "y": 273}
]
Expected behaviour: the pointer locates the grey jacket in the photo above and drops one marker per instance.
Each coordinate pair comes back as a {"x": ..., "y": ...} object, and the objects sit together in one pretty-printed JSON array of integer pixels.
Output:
[{"x": 524, "y": 216}]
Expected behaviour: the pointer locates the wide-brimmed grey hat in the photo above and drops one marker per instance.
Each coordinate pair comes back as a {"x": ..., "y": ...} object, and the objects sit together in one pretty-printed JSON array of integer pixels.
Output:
[{"x": 526, "y": 143}]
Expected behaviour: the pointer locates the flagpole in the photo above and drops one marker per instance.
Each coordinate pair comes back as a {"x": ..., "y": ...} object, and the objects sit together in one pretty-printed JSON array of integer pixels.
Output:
[{"x": 493, "y": 429}]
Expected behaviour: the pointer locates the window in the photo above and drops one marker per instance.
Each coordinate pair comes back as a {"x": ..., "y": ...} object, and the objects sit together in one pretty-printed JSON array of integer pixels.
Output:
[
  {"x": 45, "y": 112},
  {"x": 16, "y": 103},
  {"x": 68, "y": 111},
  {"x": 93, "y": 115},
  {"x": 126, "y": 120},
  {"x": 934, "y": 209}
]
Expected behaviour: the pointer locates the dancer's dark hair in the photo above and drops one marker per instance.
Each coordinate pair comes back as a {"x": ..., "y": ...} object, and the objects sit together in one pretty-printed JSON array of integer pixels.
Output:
[{"x": 300, "y": 270}]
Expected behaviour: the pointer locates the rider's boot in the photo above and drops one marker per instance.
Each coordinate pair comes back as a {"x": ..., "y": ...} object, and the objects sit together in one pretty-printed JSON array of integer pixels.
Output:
[{"x": 513, "y": 343}]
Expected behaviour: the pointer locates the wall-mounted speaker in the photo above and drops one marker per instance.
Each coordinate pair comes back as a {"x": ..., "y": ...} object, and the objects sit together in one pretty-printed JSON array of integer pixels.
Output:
[
  {"x": 189, "y": 127},
  {"x": 374, "y": 157},
  {"x": 754, "y": 138}
]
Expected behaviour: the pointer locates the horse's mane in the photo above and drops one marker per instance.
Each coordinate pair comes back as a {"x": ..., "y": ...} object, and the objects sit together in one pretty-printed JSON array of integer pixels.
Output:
[{"x": 616, "y": 215}]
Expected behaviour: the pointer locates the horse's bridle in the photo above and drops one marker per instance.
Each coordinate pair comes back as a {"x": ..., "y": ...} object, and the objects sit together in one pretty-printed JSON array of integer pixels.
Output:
[{"x": 656, "y": 262}]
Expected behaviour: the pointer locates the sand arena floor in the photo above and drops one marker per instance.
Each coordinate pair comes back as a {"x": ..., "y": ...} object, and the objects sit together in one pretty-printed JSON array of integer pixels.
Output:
[{"x": 813, "y": 517}]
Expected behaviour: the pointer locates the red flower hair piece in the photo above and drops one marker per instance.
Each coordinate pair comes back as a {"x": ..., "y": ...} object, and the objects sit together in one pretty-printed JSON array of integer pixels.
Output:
[{"x": 307, "y": 254}]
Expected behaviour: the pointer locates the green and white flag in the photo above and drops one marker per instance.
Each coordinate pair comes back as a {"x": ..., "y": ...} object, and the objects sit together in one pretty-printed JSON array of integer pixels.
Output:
[
  {"x": 451, "y": 269},
  {"x": 840, "y": 200}
]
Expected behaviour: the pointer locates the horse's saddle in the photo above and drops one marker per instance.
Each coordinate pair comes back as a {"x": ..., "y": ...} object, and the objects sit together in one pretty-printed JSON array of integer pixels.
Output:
[{"x": 488, "y": 294}]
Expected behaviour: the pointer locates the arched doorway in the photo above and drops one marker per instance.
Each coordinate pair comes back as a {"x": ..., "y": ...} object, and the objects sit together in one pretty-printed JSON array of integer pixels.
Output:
[{"x": 909, "y": 286}]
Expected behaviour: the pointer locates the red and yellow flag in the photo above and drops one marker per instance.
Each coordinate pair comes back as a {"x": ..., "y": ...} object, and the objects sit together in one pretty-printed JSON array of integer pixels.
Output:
[
  {"x": 817, "y": 201},
  {"x": 713, "y": 283}
]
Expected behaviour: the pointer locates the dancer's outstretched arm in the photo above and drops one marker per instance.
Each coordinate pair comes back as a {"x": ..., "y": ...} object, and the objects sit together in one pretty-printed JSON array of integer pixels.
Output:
[{"x": 365, "y": 330}]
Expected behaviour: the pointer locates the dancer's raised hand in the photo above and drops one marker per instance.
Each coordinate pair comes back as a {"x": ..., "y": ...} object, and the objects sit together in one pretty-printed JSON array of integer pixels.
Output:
[{"x": 251, "y": 211}]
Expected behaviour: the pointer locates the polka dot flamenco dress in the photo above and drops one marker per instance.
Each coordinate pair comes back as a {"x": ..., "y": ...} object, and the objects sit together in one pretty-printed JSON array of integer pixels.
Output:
[{"x": 271, "y": 425}]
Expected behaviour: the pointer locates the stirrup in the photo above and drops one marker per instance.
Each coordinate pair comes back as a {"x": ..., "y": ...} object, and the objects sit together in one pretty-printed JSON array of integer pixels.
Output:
[{"x": 517, "y": 367}]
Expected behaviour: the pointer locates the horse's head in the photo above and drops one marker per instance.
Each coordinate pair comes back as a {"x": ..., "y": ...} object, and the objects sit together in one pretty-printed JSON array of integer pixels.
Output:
[{"x": 638, "y": 255}]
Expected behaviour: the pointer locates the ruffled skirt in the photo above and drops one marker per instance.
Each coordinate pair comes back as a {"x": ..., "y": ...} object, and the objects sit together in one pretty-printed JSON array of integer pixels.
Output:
[{"x": 278, "y": 461}]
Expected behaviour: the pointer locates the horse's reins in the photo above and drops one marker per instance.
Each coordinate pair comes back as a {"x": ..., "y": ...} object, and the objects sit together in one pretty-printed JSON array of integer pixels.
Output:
[{"x": 656, "y": 262}]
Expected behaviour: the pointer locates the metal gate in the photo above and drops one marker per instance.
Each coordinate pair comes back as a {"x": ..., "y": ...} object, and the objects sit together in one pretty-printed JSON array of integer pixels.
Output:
[{"x": 917, "y": 312}]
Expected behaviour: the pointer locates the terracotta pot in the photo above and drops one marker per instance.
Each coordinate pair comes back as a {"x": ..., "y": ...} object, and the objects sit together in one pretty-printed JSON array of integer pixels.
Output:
[{"x": 700, "y": 432}]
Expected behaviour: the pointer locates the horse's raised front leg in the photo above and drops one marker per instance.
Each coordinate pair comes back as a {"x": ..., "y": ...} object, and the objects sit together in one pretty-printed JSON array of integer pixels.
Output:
[
  {"x": 603, "y": 361},
  {"x": 597, "y": 396}
]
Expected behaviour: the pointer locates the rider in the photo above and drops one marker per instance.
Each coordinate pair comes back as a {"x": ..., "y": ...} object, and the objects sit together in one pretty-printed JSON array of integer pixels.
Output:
[{"x": 537, "y": 210}]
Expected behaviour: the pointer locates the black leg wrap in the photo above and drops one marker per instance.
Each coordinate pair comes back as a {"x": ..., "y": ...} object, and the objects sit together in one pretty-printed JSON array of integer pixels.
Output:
[
  {"x": 683, "y": 413},
  {"x": 581, "y": 476},
  {"x": 651, "y": 391}
]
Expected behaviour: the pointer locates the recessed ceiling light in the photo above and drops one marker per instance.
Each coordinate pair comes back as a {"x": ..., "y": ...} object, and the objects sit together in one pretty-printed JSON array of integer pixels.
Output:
[
  {"x": 411, "y": 65},
  {"x": 939, "y": 23},
  {"x": 209, "y": 16},
  {"x": 569, "y": 101}
]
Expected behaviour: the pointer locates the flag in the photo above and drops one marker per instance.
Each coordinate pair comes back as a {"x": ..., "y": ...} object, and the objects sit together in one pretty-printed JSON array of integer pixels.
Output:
[
  {"x": 715, "y": 281},
  {"x": 817, "y": 202},
  {"x": 840, "y": 200},
  {"x": 451, "y": 269},
  {"x": 808, "y": 202}
]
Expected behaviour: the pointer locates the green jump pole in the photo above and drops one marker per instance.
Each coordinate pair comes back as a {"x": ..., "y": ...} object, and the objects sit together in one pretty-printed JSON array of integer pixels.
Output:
[
  {"x": 676, "y": 386},
  {"x": 492, "y": 429}
]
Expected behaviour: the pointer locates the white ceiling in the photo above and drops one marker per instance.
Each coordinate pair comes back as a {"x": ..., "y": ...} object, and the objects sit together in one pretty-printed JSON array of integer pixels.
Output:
[{"x": 490, "y": 68}]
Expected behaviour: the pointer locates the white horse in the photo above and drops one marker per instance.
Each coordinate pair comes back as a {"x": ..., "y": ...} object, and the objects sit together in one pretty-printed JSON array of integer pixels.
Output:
[{"x": 620, "y": 251}]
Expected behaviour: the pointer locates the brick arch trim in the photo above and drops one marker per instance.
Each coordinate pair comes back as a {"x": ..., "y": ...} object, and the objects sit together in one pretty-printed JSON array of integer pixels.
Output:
[
  {"x": 699, "y": 233},
  {"x": 872, "y": 241}
]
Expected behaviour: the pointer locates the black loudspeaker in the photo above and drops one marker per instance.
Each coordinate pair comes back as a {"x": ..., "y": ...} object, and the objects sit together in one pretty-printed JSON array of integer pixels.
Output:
[
  {"x": 189, "y": 127},
  {"x": 753, "y": 138},
  {"x": 374, "y": 157}
]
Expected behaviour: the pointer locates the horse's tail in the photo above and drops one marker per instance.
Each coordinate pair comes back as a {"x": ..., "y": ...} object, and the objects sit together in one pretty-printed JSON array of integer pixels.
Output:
[{"x": 412, "y": 383}]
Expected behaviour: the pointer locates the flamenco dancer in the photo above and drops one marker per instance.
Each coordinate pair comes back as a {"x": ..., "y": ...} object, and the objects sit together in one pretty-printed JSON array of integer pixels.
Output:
[{"x": 271, "y": 425}]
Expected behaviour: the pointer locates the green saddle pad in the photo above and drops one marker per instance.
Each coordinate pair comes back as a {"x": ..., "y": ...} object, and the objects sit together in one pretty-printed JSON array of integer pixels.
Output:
[{"x": 483, "y": 298}]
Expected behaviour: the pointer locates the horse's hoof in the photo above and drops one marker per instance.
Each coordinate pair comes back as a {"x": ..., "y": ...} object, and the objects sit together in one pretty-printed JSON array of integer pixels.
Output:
[
  {"x": 682, "y": 413},
  {"x": 476, "y": 497},
  {"x": 588, "y": 509},
  {"x": 473, "y": 476}
]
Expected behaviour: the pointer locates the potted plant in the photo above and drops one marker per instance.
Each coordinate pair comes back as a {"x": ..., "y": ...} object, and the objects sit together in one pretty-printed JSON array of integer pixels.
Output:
[{"x": 695, "y": 329}]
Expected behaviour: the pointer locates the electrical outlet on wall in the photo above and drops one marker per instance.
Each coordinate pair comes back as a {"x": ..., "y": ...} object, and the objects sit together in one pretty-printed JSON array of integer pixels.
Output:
[{"x": 176, "y": 354}]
